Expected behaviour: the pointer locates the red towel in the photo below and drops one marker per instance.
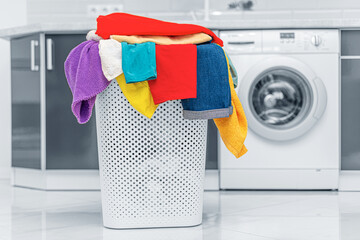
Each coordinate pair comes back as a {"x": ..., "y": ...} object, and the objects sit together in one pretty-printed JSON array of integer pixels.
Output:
[
  {"x": 176, "y": 73},
  {"x": 127, "y": 24}
]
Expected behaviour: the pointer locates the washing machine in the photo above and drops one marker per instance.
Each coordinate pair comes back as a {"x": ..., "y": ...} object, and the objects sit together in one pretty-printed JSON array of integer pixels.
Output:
[{"x": 289, "y": 88}]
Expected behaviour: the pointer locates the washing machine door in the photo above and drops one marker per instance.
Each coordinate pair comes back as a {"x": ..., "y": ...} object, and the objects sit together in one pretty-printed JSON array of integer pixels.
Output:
[{"x": 282, "y": 98}]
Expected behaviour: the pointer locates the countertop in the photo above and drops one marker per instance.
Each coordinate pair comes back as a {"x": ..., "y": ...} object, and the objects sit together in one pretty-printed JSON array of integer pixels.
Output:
[{"x": 330, "y": 19}]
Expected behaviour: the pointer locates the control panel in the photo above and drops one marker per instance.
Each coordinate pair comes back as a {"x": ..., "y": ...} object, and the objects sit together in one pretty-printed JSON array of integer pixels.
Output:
[
  {"x": 300, "y": 41},
  {"x": 282, "y": 41}
]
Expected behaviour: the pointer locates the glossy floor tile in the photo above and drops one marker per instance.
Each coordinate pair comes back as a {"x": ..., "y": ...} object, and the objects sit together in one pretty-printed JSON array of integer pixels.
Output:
[{"x": 27, "y": 214}]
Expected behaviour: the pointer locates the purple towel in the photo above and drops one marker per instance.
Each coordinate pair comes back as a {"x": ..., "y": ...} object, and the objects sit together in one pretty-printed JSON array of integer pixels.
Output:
[{"x": 85, "y": 78}]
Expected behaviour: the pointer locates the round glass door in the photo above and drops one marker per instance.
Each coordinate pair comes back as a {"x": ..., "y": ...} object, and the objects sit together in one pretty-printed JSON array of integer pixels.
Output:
[{"x": 280, "y": 98}]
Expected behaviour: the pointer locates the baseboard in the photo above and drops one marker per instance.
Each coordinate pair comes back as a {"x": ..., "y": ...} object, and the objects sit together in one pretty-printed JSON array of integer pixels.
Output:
[
  {"x": 349, "y": 181},
  {"x": 5, "y": 172},
  {"x": 279, "y": 179},
  {"x": 78, "y": 179},
  {"x": 56, "y": 179},
  {"x": 211, "y": 179}
]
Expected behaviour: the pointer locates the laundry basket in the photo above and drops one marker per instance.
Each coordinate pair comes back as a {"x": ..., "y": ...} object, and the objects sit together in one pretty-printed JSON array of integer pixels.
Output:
[{"x": 151, "y": 170}]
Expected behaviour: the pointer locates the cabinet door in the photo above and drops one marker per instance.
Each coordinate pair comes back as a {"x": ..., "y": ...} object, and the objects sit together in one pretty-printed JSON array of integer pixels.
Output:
[
  {"x": 349, "y": 43},
  {"x": 25, "y": 101},
  {"x": 350, "y": 114},
  {"x": 212, "y": 146},
  {"x": 69, "y": 145}
]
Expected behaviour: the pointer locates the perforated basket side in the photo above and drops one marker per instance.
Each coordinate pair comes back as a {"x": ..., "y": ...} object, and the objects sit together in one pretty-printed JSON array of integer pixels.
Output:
[{"x": 151, "y": 171}]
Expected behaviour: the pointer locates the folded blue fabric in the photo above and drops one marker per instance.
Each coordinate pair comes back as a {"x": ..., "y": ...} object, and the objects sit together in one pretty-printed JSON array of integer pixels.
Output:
[
  {"x": 138, "y": 61},
  {"x": 213, "y": 90}
]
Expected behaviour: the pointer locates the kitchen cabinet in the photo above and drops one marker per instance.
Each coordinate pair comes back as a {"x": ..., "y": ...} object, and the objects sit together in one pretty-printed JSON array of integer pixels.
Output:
[
  {"x": 69, "y": 145},
  {"x": 47, "y": 142},
  {"x": 25, "y": 95},
  {"x": 350, "y": 99},
  {"x": 350, "y": 111},
  {"x": 349, "y": 43},
  {"x": 350, "y": 116}
]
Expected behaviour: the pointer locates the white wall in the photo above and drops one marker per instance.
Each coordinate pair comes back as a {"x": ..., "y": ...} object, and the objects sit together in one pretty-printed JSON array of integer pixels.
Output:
[
  {"x": 76, "y": 10},
  {"x": 268, "y": 5},
  {"x": 12, "y": 13}
]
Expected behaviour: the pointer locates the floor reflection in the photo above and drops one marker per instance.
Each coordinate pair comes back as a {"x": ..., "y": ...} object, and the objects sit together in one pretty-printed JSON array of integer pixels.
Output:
[{"x": 256, "y": 215}]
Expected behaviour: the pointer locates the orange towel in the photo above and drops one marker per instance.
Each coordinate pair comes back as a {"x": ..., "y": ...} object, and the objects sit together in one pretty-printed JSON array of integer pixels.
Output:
[{"x": 233, "y": 129}]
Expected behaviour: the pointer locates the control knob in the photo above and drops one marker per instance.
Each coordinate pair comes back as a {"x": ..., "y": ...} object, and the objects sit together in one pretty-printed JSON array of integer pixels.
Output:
[{"x": 316, "y": 40}]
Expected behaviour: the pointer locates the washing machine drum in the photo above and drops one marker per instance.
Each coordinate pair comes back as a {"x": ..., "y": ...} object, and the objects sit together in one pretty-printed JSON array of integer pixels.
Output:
[{"x": 282, "y": 98}]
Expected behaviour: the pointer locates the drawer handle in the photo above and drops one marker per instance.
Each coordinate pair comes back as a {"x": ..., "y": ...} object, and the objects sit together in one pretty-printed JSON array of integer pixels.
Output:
[
  {"x": 242, "y": 43},
  {"x": 33, "y": 66},
  {"x": 49, "y": 54}
]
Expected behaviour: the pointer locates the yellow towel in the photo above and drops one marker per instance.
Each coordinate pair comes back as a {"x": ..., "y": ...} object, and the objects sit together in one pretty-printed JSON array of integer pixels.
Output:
[
  {"x": 139, "y": 96},
  {"x": 233, "y": 129},
  {"x": 195, "y": 38}
]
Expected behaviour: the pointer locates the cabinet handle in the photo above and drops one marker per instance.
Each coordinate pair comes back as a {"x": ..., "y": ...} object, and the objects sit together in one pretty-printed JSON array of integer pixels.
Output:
[
  {"x": 33, "y": 66},
  {"x": 49, "y": 54}
]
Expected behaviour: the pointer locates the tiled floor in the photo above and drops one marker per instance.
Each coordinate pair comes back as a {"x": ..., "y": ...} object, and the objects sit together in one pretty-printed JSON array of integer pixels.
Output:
[{"x": 245, "y": 215}]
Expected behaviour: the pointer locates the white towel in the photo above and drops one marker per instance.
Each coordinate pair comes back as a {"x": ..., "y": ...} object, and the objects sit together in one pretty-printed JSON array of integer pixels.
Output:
[
  {"x": 110, "y": 53},
  {"x": 91, "y": 35}
]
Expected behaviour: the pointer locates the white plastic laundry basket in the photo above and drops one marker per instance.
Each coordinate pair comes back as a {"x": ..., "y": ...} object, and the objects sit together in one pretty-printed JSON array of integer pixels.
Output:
[{"x": 151, "y": 170}]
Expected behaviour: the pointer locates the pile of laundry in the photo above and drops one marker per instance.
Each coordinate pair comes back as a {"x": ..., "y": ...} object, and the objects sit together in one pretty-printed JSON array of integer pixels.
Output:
[{"x": 153, "y": 62}]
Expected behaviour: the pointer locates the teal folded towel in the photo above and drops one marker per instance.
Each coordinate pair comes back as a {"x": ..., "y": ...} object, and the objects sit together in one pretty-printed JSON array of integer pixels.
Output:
[
  {"x": 233, "y": 72},
  {"x": 138, "y": 61}
]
